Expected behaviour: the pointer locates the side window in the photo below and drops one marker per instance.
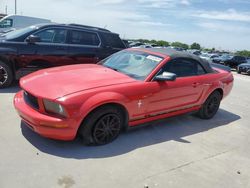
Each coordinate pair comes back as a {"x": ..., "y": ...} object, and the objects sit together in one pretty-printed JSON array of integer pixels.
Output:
[
  {"x": 184, "y": 67},
  {"x": 113, "y": 40},
  {"x": 84, "y": 38},
  {"x": 6, "y": 23},
  {"x": 52, "y": 35},
  {"x": 241, "y": 58},
  {"x": 236, "y": 58},
  {"x": 200, "y": 69}
]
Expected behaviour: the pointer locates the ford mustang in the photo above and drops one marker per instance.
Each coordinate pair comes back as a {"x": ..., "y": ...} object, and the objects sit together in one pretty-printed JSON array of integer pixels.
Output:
[{"x": 131, "y": 87}]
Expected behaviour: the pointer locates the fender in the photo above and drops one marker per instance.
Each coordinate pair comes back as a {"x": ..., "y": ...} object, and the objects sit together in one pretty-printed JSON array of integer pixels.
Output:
[
  {"x": 100, "y": 99},
  {"x": 7, "y": 54}
]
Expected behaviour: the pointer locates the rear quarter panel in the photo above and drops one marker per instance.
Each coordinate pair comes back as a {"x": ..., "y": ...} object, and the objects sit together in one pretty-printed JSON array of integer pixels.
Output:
[{"x": 221, "y": 79}]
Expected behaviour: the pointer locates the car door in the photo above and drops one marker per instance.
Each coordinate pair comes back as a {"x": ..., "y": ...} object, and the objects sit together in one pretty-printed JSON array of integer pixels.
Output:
[
  {"x": 184, "y": 92},
  {"x": 241, "y": 60},
  {"x": 83, "y": 46},
  {"x": 52, "y": 49}
]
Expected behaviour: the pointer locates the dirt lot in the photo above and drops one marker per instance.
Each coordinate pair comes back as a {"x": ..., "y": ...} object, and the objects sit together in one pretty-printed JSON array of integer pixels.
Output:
[{"x": 178, "y": 152}]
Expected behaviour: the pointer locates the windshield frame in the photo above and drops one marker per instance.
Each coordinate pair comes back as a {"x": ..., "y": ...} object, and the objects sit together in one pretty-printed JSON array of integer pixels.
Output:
[{"x": 19, "y": 32}]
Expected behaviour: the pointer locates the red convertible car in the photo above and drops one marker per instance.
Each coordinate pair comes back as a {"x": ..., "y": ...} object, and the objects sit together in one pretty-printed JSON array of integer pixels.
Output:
[{"x": 131, "y": 87}]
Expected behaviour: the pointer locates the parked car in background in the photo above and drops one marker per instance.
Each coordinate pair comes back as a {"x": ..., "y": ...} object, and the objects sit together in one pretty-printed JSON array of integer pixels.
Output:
[
  {"x": 176, "y": 48},
  {"x": 126, "y": 43},
  {"x": 222, "y": 58},
  {"x": 129, "y": 88},
  {"x": 194, "y": 51},
  {"x": 244, "y": 67},
  {"x": 208, "y": 56},
  {"x": 13, "y": 22},
  {"x": 234, "y": 61},
  {"x": 135, "y": 44},
  {"x": 143, "y": 46},
  {"x": 48, "y": 45}
]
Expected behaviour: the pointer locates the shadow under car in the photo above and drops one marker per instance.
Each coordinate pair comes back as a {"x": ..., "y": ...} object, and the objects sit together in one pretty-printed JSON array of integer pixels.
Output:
[{"x": 174, "y": 128}]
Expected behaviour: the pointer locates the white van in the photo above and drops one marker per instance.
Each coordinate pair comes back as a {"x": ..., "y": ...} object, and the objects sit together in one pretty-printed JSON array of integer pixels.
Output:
[{"x": 12, "y": 22}]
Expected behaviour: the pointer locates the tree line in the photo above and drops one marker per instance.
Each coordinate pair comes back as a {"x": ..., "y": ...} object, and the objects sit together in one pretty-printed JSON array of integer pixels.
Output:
[{"x": 195, "y": 46}]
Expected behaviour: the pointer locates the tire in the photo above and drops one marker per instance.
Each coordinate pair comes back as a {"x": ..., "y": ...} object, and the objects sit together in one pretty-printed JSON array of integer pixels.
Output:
[
  {"x": 6, "y": 75},
  {"x": 102, "y": 126},
  {"x": 211, "y": 106},
  {"x": 238, "y": 71}
]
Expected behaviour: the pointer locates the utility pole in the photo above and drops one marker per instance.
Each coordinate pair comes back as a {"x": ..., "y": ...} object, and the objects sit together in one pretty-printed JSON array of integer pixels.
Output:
[
  {"x": 15, "y": 6},
  {"x": 6, "y": 9}
]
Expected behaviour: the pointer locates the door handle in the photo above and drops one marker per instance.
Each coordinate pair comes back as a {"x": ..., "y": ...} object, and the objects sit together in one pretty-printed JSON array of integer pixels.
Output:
[{"x": 195, "y": 84}]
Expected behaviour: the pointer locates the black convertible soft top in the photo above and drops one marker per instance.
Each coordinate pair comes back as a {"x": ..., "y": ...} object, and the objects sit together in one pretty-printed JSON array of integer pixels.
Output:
[{"x": 174, "y": 54}]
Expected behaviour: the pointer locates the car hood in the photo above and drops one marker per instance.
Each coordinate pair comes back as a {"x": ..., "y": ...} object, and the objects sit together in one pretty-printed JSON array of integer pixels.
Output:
[{"x": 57, "y": 82}]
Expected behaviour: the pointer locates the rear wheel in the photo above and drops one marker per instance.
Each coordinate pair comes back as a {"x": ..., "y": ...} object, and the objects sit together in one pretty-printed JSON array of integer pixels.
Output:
[
  {"x": 211, "y": 106},
  {"x": 6, "y": 75},
  {"x": 102, "y": 126}
]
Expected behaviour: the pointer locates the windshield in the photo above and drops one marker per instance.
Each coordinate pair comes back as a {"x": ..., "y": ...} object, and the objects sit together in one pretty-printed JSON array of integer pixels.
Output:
[
  {"x": 204, "y": 55},
  {"x": 137, "y": 65},
  {"x": 19, "y": 32}
]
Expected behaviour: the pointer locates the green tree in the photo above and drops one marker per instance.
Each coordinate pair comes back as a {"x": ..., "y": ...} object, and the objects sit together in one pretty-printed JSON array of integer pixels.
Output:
[
  {"x": 180, "y": 45},
  {"x": 162, "y": 43},
  {"x": 153, "y": 41},
  {"x": 196, "y": 46},
  {"x": 245, "y": 53},
  {"x": 209, "y": 49}
]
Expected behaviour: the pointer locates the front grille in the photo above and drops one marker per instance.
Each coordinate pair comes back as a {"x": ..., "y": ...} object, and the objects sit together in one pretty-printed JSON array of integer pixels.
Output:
[
  {"x": 244, "y": 69},
  {"x": 31, "y": 100}
]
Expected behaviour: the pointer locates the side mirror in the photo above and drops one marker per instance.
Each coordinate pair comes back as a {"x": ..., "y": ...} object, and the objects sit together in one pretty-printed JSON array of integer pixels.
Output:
[
  {"x": 32, "y": 39},
  {"x": 166, "y": 76}
]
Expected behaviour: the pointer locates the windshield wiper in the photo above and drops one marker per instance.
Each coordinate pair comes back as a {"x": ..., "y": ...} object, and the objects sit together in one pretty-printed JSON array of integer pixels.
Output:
[{"x": 112, "y": 68}]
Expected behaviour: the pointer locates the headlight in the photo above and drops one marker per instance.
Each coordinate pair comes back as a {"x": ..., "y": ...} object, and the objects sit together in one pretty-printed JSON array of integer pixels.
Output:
[{"x": 52, "y": 107}]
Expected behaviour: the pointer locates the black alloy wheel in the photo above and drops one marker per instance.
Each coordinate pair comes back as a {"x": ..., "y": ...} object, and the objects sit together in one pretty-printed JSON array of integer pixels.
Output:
[
  {"x": 6, "y": 75},
  {"x": 106, "y": 129},
  {"x": 103, "y": 125},
  {"x": 3, "y": 75},
  {"x": 211, "y": 106}
]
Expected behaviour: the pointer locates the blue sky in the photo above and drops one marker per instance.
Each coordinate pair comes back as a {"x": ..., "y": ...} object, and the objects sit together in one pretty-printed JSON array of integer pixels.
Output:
[{"x": 223, "y": 24}]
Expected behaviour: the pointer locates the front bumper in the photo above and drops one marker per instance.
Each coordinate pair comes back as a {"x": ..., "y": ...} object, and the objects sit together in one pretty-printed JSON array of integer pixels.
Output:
[
  {"x": 244, "y": 69},
  {"x": 47, "y": 126}
]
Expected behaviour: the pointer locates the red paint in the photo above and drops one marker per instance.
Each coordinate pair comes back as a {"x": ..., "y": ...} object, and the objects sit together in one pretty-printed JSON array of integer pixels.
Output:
[{"x": 82, "y": 88}]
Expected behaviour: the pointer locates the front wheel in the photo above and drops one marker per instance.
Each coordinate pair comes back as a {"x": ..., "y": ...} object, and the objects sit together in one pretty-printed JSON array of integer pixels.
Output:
[
  {"x": 211, "y": 106},
  {"x": 102, "y": 126},
  {"x": 6, "y": 75}
]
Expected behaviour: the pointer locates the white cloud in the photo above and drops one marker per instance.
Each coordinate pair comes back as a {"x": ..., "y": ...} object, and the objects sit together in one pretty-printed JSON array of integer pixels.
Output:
[
  {"x": 163, "y": 3},
  {"x": 218, "y": 26},
  {"x": 230, "y": 15},
  {"x": 110, "y": 1},
  {"x": 185, "y": 2},
  {"x": 148, "y": 24}
]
